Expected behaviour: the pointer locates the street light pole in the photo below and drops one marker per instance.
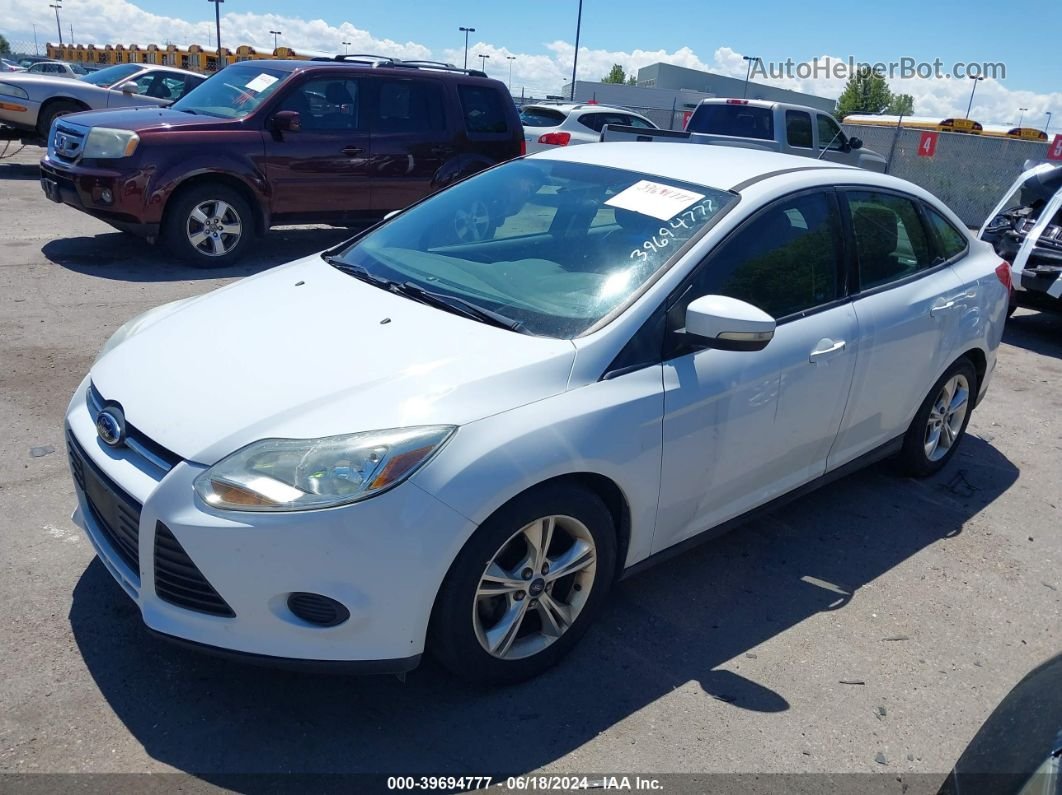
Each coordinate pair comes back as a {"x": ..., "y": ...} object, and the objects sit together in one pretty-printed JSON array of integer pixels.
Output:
[
  {"x": 483, "y": 63},
  {"x": 345, "y": 45},
  {"x": 217, "y": 21},
  {"x": 972, "y": 90},
  {"x": 1022, "y": 116},
  {"x": 575, "y": 60},
  {"x": 748, "y": 72},
  {"x": 276, "y": 33},
  {"x": 36, "y": 47},
  {"x": 466, "y": 32},
  {"x": 57, "y": 5},
  {"x": 510, "y": 59},
  {"x": 1048, "y": 125}
]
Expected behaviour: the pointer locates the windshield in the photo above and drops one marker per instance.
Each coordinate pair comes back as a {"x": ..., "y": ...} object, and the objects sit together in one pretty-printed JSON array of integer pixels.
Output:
[
  {"x": 552, "y": 246},
  {"x": 112, "y": 75},
  {"x": 233, "y": 92}
]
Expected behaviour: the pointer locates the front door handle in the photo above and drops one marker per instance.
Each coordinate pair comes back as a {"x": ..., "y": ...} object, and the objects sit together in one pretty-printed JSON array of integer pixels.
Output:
[
  {"x": 940, "y": 306},
  {"x": 352, "y": 151},
  {"x": 826, "y": 349}
]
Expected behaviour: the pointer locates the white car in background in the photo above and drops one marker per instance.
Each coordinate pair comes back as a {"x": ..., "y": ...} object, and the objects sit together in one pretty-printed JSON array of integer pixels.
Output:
[
  {"x": 457, "y": 448},
  {"x": 56, "y": 69},
  {"x": 10, "y": 66},
  {"x": 31, "y": 102},
  {"x": 547, "y": 126}
]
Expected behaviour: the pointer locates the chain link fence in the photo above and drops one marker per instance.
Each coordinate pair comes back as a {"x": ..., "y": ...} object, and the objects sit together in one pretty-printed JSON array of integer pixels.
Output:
[
  {"x": 21, "y": 49},
  {"x": 969, "y": 173}
]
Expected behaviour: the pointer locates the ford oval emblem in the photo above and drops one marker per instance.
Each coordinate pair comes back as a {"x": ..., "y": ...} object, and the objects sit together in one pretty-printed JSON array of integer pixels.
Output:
[{"x": 110, "y": 425}]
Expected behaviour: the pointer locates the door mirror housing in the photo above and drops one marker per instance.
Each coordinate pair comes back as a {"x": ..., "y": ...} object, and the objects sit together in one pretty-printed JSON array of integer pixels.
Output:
[
  {"x": 286, "y": 121},
  {"x": 728, "y": 324},
  {"x": 129, "y": 87},
  {"x": 855, "y": 143}
]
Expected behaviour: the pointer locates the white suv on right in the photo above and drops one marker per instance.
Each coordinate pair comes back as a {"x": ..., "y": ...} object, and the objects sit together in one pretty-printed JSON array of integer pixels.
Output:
[{"x": 547, "y": 126}]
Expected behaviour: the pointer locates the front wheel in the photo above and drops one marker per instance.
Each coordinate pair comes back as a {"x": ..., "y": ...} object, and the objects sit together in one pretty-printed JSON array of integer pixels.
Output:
[
  {"x": 941, "y": 421},
  {"x": 209, "y": 225},
  {"x": 526, "y": 586}
]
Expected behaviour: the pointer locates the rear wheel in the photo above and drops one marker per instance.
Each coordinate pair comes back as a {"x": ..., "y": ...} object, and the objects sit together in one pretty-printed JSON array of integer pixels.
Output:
[
  {"x": 210, "y": 225},
  {"x": 941, "y": 421},
  {"x": 53, "y": 111},
  {"x": 526, "y": 586}
]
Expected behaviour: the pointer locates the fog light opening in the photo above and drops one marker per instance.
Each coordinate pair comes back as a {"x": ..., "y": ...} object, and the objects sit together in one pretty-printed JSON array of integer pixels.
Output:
[
  {"x": 313, "y": 608},
  {"x": 106, "y": 196}
]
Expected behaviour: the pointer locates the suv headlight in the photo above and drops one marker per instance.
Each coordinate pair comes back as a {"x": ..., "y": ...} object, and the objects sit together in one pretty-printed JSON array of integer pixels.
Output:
[
  {"x": 13, "y": 91},
  {"x": 104, "y": 143},
  {"x": 304, "y": 474}
]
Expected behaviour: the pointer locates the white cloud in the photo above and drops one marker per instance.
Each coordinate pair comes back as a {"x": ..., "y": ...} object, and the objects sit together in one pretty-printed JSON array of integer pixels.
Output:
[{"x": 538, "y": 73}]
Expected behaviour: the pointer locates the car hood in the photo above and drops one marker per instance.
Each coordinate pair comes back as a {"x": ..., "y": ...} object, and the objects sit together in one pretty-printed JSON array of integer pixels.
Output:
[
  {"x": 149, "y": 118},
  {"x": 36, "y": 81},
  {"x": 305, "y": 351}
]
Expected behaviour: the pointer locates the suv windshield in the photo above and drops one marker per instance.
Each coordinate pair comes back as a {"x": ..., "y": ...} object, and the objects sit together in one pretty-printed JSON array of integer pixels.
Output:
[
  {"x": 744, "y": 121},
  {"x": 553, "y": 247},
  {"x": 233, "y": 92},
  {"x": 112, "y": 75}
]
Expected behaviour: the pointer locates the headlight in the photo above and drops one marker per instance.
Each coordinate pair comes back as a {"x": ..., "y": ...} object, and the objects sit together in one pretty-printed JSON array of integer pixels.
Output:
[
  {"x": 303, "y": 474},
  {"x": 136, "y": 325},
  {"x": 105, "y": 143},
  {"x": 13, "y": 91}
]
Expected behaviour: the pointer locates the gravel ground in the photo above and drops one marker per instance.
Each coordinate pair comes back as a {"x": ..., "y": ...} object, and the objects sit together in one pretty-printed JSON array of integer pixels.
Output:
[{"x": 869, "y": 627}]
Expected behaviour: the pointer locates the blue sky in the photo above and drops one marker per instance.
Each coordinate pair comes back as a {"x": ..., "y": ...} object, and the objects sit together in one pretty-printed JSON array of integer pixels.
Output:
[{"x": 540, "y": 34}]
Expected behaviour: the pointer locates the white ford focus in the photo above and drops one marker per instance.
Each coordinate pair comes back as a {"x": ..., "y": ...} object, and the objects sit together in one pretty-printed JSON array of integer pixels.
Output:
[{"x": 415, "y": 444}]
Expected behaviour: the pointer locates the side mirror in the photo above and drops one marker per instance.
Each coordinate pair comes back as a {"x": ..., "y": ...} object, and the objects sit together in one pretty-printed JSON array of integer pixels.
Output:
[
  {"x": 286, "y": 121},
  {"x": 129, "y": 88},
  {"x": 729, "y": 324},
  {"x": 855, "y": 143}
]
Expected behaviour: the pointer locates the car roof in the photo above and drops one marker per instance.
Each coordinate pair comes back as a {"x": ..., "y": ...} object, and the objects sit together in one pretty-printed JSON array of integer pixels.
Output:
[
  {"x": 402, "y": 68},
  {"x": 569, "y": 107},
  {"x": 723, "y": 167}
]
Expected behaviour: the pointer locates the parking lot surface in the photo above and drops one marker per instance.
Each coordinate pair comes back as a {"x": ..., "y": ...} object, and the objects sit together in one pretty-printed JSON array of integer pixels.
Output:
[{"x": 869, "y": 627}]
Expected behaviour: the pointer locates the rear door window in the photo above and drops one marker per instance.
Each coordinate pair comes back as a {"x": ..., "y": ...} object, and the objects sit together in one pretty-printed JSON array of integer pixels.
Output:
[
  {"x": 950, "y": 241},
  {"x": 890, "y": 240},
  {"x": 407, "y": 106},
  {"x": 745, "y": 121},
  {"x": 483, "y": 108},
  {"x": 798, "y": 129}
]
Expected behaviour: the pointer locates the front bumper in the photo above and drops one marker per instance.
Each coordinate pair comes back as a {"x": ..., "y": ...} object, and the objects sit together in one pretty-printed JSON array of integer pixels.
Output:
[
  {"x": 384, "y": 559},
  {"x": 85, "y": 188}
]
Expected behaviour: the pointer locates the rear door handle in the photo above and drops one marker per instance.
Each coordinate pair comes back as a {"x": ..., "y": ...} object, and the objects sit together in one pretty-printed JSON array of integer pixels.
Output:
[
  {"x": 940, "y": 306},
  {"x": 352, "y": 151},
  {"x": 826, "y": 349}
]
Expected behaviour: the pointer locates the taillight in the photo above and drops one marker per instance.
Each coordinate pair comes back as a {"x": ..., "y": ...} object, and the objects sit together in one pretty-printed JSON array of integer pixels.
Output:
[
  {"x": 555, "y": 138},
  {"x": 1003, "y": 274},
  {"x": 523, "y": 147}
]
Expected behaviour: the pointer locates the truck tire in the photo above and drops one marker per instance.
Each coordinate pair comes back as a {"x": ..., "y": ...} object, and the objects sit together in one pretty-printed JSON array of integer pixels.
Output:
[{"x": 209, "y": 225}]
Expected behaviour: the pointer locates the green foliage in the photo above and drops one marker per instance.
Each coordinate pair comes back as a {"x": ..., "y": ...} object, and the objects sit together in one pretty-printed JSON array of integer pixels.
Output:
[
  {"x": 615, "y": 75},
  {"x": 901, "y": 105},
  {"x": 5, "y": 48},
  {"x": 865, "y": 92},
  {"x": 632, "y": 80}
]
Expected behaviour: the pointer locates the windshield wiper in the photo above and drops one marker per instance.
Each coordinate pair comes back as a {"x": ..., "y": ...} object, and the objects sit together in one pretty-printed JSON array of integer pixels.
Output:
[{"x": 449, "y": 303}]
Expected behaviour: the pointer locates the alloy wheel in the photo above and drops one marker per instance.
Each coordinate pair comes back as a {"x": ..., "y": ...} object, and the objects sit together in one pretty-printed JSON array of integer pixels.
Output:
[
  {"x": 534, "y": 588},
  {"x": 472, "y": 223},
  {"x": 946, "y": 417},
  {"x": 214, "y": 228}
]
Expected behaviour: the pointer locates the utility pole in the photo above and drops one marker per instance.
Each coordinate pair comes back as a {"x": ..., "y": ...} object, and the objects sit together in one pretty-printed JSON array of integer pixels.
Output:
[
  {"x": 510, "y": 59},
  {"x": 575, "y": 61},
  {"x": 1022, "y": 116},
  {"x": 466, "y": 32},
  {"x": 1048, "y": 125},
  {"x": 275, "y": 34},
  {"x": 345, "y": 45},
  {"x": 750, "y": 59},
  {"x": 972, "y": 90},
  {"x": 36, "y": 47},
  {"x": 217, "y": 21},
  {"x": 58, "y": 4}
]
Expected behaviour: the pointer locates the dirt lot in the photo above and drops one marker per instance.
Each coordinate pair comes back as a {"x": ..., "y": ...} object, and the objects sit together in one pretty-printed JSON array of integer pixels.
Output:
[{"x": 935, "y": 596}]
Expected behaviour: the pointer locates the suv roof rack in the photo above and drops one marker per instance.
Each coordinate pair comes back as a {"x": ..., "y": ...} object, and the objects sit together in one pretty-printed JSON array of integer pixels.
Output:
[{"x": 384, "y": 60}]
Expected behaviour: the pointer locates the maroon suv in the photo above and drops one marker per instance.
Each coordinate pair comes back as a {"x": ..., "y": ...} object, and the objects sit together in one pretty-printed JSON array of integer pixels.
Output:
[{"x": 265, "y": 143}]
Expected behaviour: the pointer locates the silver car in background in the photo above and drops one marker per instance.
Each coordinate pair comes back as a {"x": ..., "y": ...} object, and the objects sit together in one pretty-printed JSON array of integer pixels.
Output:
[{"x": 29, "y": 103}]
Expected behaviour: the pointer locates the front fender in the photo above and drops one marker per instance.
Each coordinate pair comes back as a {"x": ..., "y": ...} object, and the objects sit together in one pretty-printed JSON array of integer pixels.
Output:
[{"x": 167, "y": 178}]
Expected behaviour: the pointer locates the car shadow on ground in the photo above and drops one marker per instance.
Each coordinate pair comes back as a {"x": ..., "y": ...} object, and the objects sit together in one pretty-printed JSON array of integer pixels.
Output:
[
  {"x": 127, "y": 258},
  {"x": 1039, "y": 332},
  {"x": 673, "y": 626},
  {"x": 19, "y": 170}
]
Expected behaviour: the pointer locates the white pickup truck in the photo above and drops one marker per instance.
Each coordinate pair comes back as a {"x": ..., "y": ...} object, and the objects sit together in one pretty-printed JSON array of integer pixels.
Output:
[{"x": 757, "y": 124}]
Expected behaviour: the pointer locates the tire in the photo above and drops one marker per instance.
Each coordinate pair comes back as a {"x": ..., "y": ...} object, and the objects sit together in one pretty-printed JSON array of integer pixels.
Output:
[
  {"x": 465, "y": 621},
  {"x": 474, "y": 223},
  {"x": 52, "y": 112},
  {"x": 927, "y": 447},
  {"x": 209, "y": 225}
]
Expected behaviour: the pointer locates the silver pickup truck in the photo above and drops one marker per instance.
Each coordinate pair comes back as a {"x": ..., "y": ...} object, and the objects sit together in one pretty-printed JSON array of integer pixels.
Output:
[{"x": 757, "y": 124}]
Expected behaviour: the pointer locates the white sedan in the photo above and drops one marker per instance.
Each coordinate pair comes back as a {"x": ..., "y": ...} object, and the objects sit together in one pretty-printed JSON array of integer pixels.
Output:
[{"x": 415, "y": 444}]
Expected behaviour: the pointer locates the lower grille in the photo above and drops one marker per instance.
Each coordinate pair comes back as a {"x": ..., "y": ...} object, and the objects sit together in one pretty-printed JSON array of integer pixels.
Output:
[
  {"x": 180, "y": 582},
  {"x": 115, "y": 513}
]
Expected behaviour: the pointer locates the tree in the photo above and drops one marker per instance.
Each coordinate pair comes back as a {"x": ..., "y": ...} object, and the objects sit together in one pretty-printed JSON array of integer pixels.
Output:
[
  {"x": 632, "y": 80},
  {"x": 901, "y": 105},
  {"x": 615, "y": 75},
  {"x": 865, "y": 92},
  {"x": 5, "y": 48}
]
